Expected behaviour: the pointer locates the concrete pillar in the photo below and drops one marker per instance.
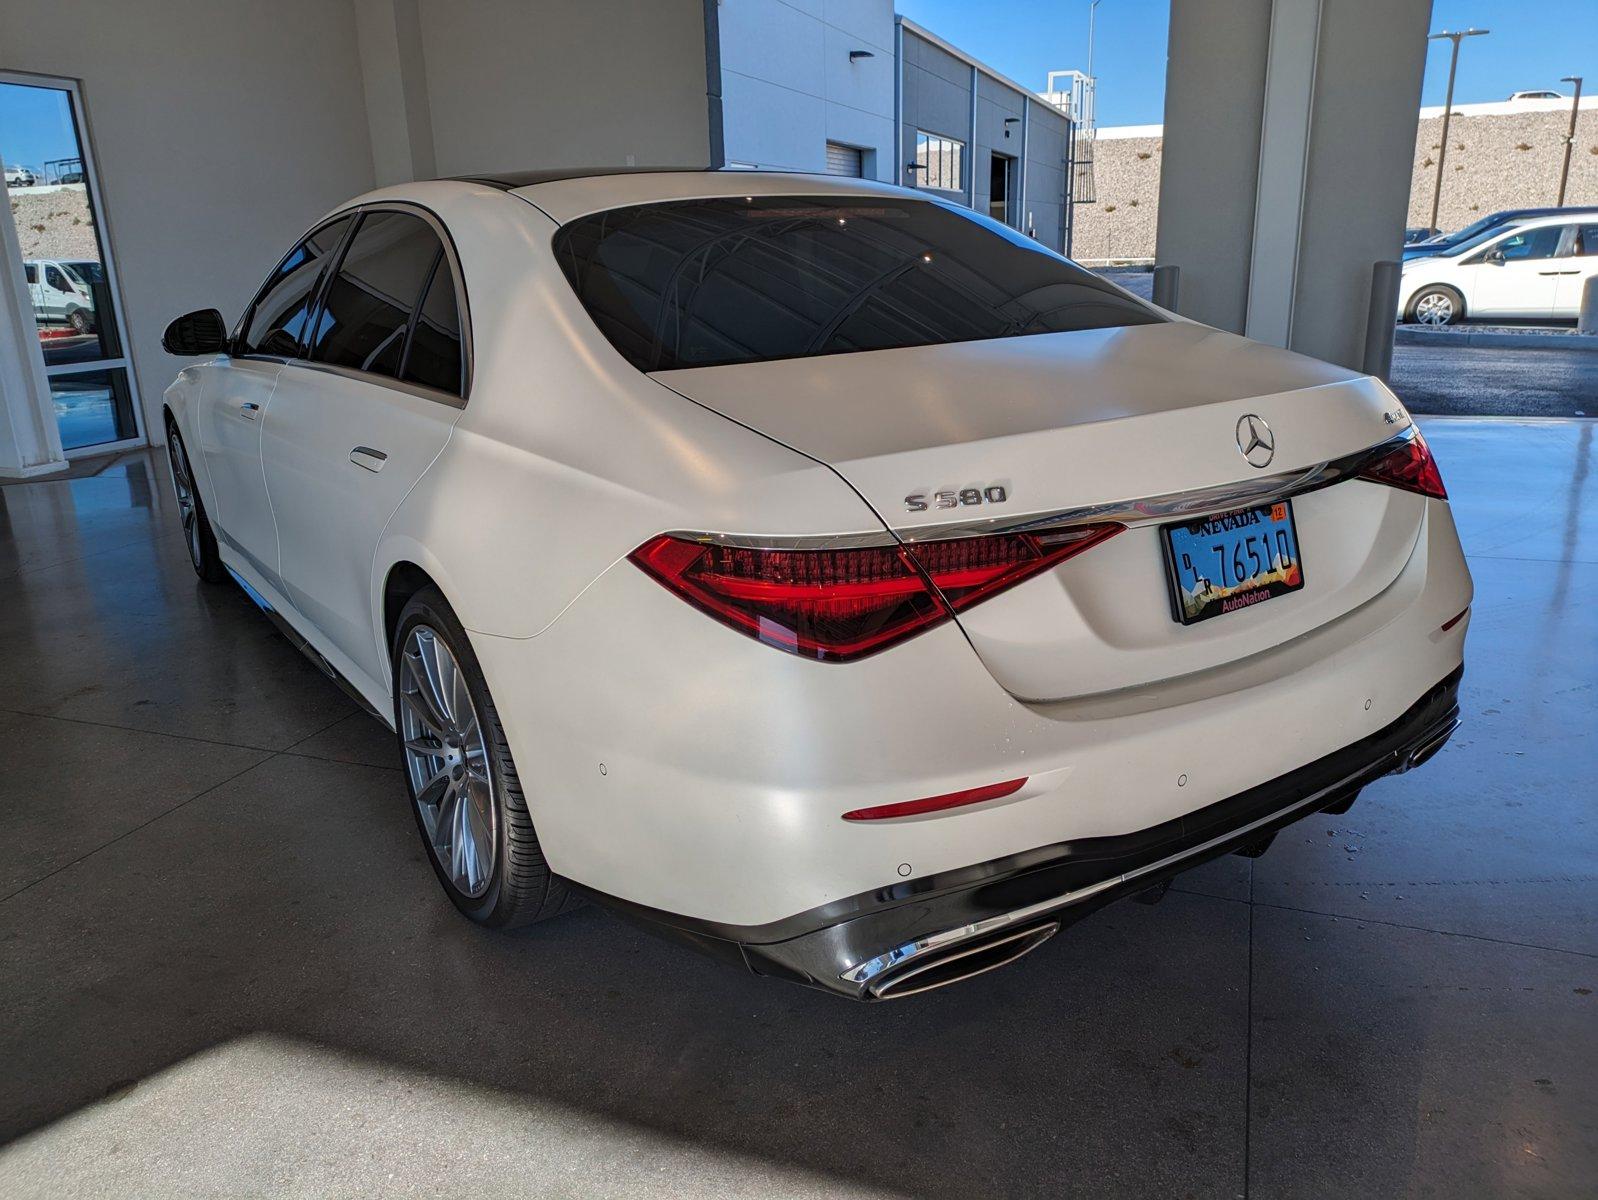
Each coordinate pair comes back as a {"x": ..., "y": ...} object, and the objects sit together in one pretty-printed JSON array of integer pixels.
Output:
[
  {"x": 30, "y": 443},
  {"x": 1289, "y": 131},
  {"x": 394, "y": 78}
]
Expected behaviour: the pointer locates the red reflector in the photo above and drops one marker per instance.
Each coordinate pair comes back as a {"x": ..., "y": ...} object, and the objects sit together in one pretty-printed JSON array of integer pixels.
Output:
[
  {"x": 912, "y": 808},
  {"x": 1454, "y": 620},
  {"x": 838, "y": 605},
  {"x": 1409, "y": 467}
]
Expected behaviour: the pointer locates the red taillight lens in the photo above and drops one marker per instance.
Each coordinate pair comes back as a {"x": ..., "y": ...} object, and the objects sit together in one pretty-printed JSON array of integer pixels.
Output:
[
  {"x": 837, "y": 605},
  {"x": 916, "y": 808},
  {"x": 1410, "y": 467}
]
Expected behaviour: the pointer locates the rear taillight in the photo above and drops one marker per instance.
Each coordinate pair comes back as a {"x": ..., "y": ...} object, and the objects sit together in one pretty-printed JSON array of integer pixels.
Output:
[
  {"x": 837, "y": 605},
  {"x": 1409, "y": 466}
]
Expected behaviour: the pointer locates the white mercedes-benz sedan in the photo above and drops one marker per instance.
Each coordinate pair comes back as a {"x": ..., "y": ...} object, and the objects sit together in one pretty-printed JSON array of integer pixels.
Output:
[{"x": 819, "y": 572}]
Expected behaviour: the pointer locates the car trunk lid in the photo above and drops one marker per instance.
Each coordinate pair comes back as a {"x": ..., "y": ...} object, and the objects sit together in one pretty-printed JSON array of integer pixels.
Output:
[{"x": 951, "y": 439}]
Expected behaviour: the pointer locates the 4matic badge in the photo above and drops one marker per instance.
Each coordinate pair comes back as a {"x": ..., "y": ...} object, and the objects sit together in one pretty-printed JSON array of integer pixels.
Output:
[{"x": 994, "y": 493}]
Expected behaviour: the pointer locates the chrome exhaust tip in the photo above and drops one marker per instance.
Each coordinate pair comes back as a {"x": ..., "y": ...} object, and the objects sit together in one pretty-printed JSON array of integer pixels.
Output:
[
  {"x": 1424, "y": 750},
  {"x": 962, "y": 962}
]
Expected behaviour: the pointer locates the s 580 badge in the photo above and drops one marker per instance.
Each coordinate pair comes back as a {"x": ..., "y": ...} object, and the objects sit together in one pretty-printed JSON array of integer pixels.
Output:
[{"x": 921, "y": 501}]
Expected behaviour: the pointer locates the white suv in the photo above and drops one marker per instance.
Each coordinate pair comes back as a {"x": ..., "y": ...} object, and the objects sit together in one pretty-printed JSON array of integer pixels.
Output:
[
  {"x": 815, "y": 570},
  {"x": 1533, "y": 270}
]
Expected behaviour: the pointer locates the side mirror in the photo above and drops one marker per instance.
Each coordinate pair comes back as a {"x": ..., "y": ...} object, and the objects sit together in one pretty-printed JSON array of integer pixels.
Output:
[
  {"x": 1496, "y": 257},
  {"x": 195, "y": 333}
]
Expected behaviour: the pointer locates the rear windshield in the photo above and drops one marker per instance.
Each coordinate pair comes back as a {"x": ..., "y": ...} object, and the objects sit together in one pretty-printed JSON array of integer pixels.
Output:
[{"x": 699, "y": 283}]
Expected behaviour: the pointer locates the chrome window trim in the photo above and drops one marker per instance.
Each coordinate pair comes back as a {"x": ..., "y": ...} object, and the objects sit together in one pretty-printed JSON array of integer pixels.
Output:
[
  {"x": 1170, "y": 506},
  {"x": 462, "y": 304},
  {"x": 1148, "y": 510}
]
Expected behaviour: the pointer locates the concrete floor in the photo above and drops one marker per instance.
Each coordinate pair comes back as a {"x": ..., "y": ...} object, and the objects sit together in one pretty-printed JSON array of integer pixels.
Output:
[{"x": 226, "y": 967}]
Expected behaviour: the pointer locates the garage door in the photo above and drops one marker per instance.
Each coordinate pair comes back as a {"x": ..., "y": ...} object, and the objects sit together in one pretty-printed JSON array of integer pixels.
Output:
[{"x": 843, "y": 160}]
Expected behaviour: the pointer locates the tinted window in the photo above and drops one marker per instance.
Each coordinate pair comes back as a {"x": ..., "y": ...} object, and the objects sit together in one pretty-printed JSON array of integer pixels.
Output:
[
  {"x": 277, "y": 321},
  {"x": 31, "y": 272},
  {"x": 434, "y": 358},
  {"x": 363, "y": 321},
  {"x": 1533, "y": 243},
  {"x": 704, "y": 282},
  {"x": 53, "y": 276},
  {"x": 1587, "y": 241}
]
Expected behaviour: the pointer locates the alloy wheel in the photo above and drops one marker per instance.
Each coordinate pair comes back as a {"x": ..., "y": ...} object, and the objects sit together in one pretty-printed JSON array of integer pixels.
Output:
[
  {"x": 446, "y": 759},
  {"x": 1434, "y": 308},
  {"x": 183, "y": 485}
]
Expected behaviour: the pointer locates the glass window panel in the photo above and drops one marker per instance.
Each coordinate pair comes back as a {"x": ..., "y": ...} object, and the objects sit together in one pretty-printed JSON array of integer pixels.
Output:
[
  {"x": 276, "y": 324},
  {"x": 1534, "y": 243},
  {"x": 54, "y": 214},
  {"x": 702, "y": 282},
  {"x": 363, "y": 321},
  {"x": 941, "y": 161},
  {"x": 92, "y": 407},
  {"x": 434, "y": 359}
]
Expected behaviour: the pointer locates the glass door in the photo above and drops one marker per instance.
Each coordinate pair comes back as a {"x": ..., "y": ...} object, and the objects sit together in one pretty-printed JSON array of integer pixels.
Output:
[{"x": 54, "y": 204}]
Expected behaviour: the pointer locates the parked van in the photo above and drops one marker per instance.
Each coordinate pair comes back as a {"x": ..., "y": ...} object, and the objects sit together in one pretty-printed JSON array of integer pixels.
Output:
[{"x": 61, "y": 292}]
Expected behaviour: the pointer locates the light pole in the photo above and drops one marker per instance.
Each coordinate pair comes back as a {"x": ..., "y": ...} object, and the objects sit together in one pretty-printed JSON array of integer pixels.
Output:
[
  {"x": 1093, "y": 8},
  {"x": 1570, "y": 137},
  {"x": 1448, "y": 107}
]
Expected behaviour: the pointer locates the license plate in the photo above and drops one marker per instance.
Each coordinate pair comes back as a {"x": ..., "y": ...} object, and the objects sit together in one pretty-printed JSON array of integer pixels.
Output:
[{"x": 1232, "y": 561}]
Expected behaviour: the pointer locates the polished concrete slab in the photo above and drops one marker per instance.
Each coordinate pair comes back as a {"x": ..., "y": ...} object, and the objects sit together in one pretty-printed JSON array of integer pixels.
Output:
[{"x": 225, "y": 966}]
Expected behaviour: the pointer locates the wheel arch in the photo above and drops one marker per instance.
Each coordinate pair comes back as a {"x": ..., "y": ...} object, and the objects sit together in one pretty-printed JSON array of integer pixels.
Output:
[
  {"x": 401, "y": 568},
  {"x": 404, "y": 580},
  {"x": 1439, "y": 286}
]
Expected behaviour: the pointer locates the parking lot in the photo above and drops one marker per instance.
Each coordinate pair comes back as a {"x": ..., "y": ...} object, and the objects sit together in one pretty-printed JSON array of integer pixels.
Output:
[{"x": 1471, "y": 381}]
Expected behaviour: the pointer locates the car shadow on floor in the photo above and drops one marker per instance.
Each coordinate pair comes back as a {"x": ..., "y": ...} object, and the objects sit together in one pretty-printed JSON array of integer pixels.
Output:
[{"x": 295, "y": 901}]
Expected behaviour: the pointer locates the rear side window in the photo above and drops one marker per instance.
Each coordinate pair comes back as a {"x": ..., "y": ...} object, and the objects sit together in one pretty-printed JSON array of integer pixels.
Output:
[
  {"x": 366, "y": 315},
  {"x": 705, "y": 282},
  {"x": 434, "y": 359},
  {"x": 277, "y": 319}
]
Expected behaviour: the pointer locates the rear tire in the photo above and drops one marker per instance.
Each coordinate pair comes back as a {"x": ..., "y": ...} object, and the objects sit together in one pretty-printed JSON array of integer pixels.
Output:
[
  {"x": 197, "y": 532},
  {"x": 465, "y": 792},
  {"x": 1437, "y": 306}
]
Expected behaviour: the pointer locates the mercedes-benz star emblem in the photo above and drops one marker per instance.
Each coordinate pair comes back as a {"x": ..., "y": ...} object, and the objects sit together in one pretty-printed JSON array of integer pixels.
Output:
[{"x": 1255, "y": 440}]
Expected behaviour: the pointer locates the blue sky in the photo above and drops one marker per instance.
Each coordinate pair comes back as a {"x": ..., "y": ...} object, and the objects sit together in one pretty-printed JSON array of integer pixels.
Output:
[
  {"x": 1531, "y": 46},
  {"x": 35, "y": 126}
]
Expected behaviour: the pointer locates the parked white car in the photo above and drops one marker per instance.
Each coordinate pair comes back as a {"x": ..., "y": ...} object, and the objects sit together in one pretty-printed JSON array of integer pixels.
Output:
[
  {"x": 61, "y": 293},
  {"x": 17, "y": 176},
  {"x": 815, "y": 570},
  {"x": 1531, "y": 270}
]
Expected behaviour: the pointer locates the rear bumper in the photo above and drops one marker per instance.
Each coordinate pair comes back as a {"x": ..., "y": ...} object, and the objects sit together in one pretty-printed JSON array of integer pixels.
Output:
[{"x": 870, "y": 946}]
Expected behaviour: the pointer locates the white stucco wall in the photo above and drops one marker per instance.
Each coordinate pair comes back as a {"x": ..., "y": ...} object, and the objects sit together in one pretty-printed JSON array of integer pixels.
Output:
[
  {"x": 514, "y": 85},
  {"x": 219, "y": 129}
]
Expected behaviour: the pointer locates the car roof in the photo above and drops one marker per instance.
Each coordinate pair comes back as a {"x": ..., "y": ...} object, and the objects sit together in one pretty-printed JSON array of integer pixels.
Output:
[
  {"x": 1558, "y": 216},
  {"x": 565, "y": 195}
]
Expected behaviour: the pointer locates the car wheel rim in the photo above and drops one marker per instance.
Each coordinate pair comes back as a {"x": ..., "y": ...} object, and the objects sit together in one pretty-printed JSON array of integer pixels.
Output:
[
  {"x": 183, "y": 485},
  {"x": 1434, "y": 309},
  {"x": 446, "y": 758}
]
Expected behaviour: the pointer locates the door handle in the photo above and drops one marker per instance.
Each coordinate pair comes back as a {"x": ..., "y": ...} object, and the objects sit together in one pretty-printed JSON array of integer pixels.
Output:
[
  {"x": 365, "y": 456},
  {"x": 248, "y": 410}
]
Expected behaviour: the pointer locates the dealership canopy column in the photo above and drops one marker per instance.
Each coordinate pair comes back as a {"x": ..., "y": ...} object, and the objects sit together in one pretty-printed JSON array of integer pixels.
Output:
[{"x": 1289, "y": 128}]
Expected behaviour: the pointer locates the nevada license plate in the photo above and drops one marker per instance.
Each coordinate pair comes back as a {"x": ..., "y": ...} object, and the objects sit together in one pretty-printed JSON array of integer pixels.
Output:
[{"x": 1232, "y": 561}]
